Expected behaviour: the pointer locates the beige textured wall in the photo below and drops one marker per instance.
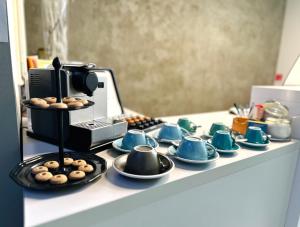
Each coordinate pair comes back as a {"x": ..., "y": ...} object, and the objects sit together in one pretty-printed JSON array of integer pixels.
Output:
[{"x": 177, "y": 56}]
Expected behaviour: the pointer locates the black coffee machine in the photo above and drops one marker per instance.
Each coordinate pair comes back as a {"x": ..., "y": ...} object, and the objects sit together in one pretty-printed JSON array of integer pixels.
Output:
[{"x": 87, "y": 129}]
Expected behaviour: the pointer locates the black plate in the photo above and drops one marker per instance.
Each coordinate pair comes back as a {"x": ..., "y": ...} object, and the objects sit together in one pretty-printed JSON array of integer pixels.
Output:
[
  {"x": 31, "y": 106},
  {"x": 22, "y": 175}
]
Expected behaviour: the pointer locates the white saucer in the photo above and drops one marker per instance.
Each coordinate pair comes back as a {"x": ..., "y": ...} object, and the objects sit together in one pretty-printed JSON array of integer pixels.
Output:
[
  {"x": 117, "y": 144},
  {"x": 235, "y": 149},
  {"x": 184, "y": 133},
  {"x": 120, "y": 162},
  {"x": 254, "y": 145},
  {"x": 280, "y": 140},
  {"x": 172, "y": 151}
]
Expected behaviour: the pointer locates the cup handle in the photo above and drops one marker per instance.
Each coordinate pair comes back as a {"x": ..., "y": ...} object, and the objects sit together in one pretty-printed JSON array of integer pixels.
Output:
[
  {"x": 213, "y": 148},
  {"x": 266, "y": 137},
  {"x": 149, "y": 139},
  {"x": 185, "y": 131},
  {"x": 193, "y": 126}
]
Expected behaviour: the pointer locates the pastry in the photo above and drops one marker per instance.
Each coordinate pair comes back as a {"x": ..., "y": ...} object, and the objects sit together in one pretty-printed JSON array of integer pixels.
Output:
[
  {"x": 50, "y": 100},
  {"x": 39, "y": 169},
  {"x": 52, "y": 164},
  {"x": 59, "y": 105},
  {"x": 75, "y": 104},
  {"x": 83, "y": 101},
  {"x": 42, "y": 105},
  {"x": 59, "y": 179},
  {"x": 79, "y": 162},
  {"x": 68, "y": 99},
  {"x": 76, "y": 175},
  {"x": 43, "y": 176},
  {"x": 86, "y": 168},
  {"x": 37, "y": 101},
  {"x": 68, "y": 161}
]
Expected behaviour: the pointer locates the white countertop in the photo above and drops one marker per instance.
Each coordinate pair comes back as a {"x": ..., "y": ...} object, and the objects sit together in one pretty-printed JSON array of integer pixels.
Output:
[{"x": 44, "y": 207}]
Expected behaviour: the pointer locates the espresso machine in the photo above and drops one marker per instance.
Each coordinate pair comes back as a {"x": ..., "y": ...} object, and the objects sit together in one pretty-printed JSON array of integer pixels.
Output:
[{"x": 87, "y": 129}]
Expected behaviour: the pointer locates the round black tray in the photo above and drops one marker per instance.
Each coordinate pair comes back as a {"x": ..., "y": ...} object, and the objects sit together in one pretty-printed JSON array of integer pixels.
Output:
[
  {"x": 31, "y": 106},
  {"x": 22, "y": 175}
]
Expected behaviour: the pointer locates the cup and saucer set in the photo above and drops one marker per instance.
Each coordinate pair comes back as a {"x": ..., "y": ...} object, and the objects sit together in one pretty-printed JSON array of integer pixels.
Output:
[
  {"x": 255, "y": 138},
  {"x": 134, "y": 138},
  {"x": 170, "y": 133},
  {"x": 215, "y": 127},
  {"x": 193, "y": 150},
  {"x": 142, "y": 161},
  {"x": 224, "y": 143}
]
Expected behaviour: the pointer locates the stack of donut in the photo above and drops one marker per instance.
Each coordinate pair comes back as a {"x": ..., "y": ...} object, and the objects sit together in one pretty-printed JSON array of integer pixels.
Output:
[
  {"x": 67, "y": 102},
  {"x": 43, "y": 172}
]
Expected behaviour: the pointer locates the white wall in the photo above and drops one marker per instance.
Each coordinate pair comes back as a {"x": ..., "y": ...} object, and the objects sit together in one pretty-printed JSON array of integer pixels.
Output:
[{"x": 290, "y": 40}]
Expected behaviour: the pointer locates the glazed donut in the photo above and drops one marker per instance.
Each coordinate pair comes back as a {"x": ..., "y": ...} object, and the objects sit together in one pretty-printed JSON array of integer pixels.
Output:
[
  {"x": 68, "y": 99},
  {"x": 43, "y": 176},
  {"x": 86, "y": 168},
  {"x": 83, "y": 101},
  {"x": 79, "y": 162},
  {"x": 50, "y": 100},
  {"x": 68, "y": 161},
  {"x": 76, "y": 175},
  {"x": 59, "y": 105},
  {"x": 39, "y": 169},
  {"x": 59, "y": 179},
  {"x": 37, "y": 101},
  {"x": 42, "y": 105},
  {"x": 75, "y": 104},
  {"x": 51, "y": 164}
]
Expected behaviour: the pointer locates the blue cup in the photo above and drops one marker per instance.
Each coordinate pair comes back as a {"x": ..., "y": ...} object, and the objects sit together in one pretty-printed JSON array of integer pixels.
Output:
[
  {"x": 170, "y": 131},
  {"x": 217, "y": 126},
  {"x": 194, "y": 148},
  {"x": 134, "y": 138},
  {"x": 256, "y": 135},
  {"x": 222, "y": 140}
]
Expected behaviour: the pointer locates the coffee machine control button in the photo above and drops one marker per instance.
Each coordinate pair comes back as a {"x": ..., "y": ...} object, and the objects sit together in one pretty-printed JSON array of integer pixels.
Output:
[
  {"x": 91, "y": 83},
  {"x": 100, "y": 84}
]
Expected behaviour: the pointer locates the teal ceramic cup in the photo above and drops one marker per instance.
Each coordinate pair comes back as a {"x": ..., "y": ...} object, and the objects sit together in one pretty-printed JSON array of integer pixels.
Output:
[
  {"x": 170, "y": 131},
  {"x": 194, "y": 148},
  {"x": 222, "y": 140},
  {"x": 133, "y": 138},
  {"x": 187, "y": 124},
  {"x": 256, "y": 135},
  {"x": 217, "y": 126}
]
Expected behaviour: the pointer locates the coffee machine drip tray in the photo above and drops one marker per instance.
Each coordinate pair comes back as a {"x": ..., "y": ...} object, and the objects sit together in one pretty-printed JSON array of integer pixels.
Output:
[
  {"x": 89, "y": 134},
  {"x": 93, "y": 124}
]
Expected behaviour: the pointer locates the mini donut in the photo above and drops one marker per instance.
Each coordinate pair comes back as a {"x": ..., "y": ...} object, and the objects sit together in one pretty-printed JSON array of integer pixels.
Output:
[
  {"x": 37, "y": 101},
  {"x": 75, "y": 104},
  {"x": 59, "y": 105},
  {"x": 79, "y": 162},
  {"x": 83, "y": 101},
  {"x": 68, "y": 161},
  {"x": 42, "y": 105},
  {"x": 50, "y": 100},
  {"x": 76, "y": 175},
  {"x": 68, "y": 99},
  {"x": 86, "y": 168},
  {"x": 39, "y": 169},
  {"x": 51, "y": 164},
  {"x": 43, "y": 176},
  {"x": 59, "y": 179}
]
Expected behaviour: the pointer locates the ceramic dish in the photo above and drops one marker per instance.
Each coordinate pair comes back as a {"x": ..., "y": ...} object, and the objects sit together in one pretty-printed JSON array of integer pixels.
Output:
[
  {"x": 172, "y": 151},
  {"x": 236, "y": 147},
  {"x": 22, "y": 173},
  {"x": 280, "y": 140},
  {"x": 184, "y": 133},
  {"x": 117, "y": 144},
  {"x": 120, "y": 162},
  {"x": 254, "y": 145}
]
